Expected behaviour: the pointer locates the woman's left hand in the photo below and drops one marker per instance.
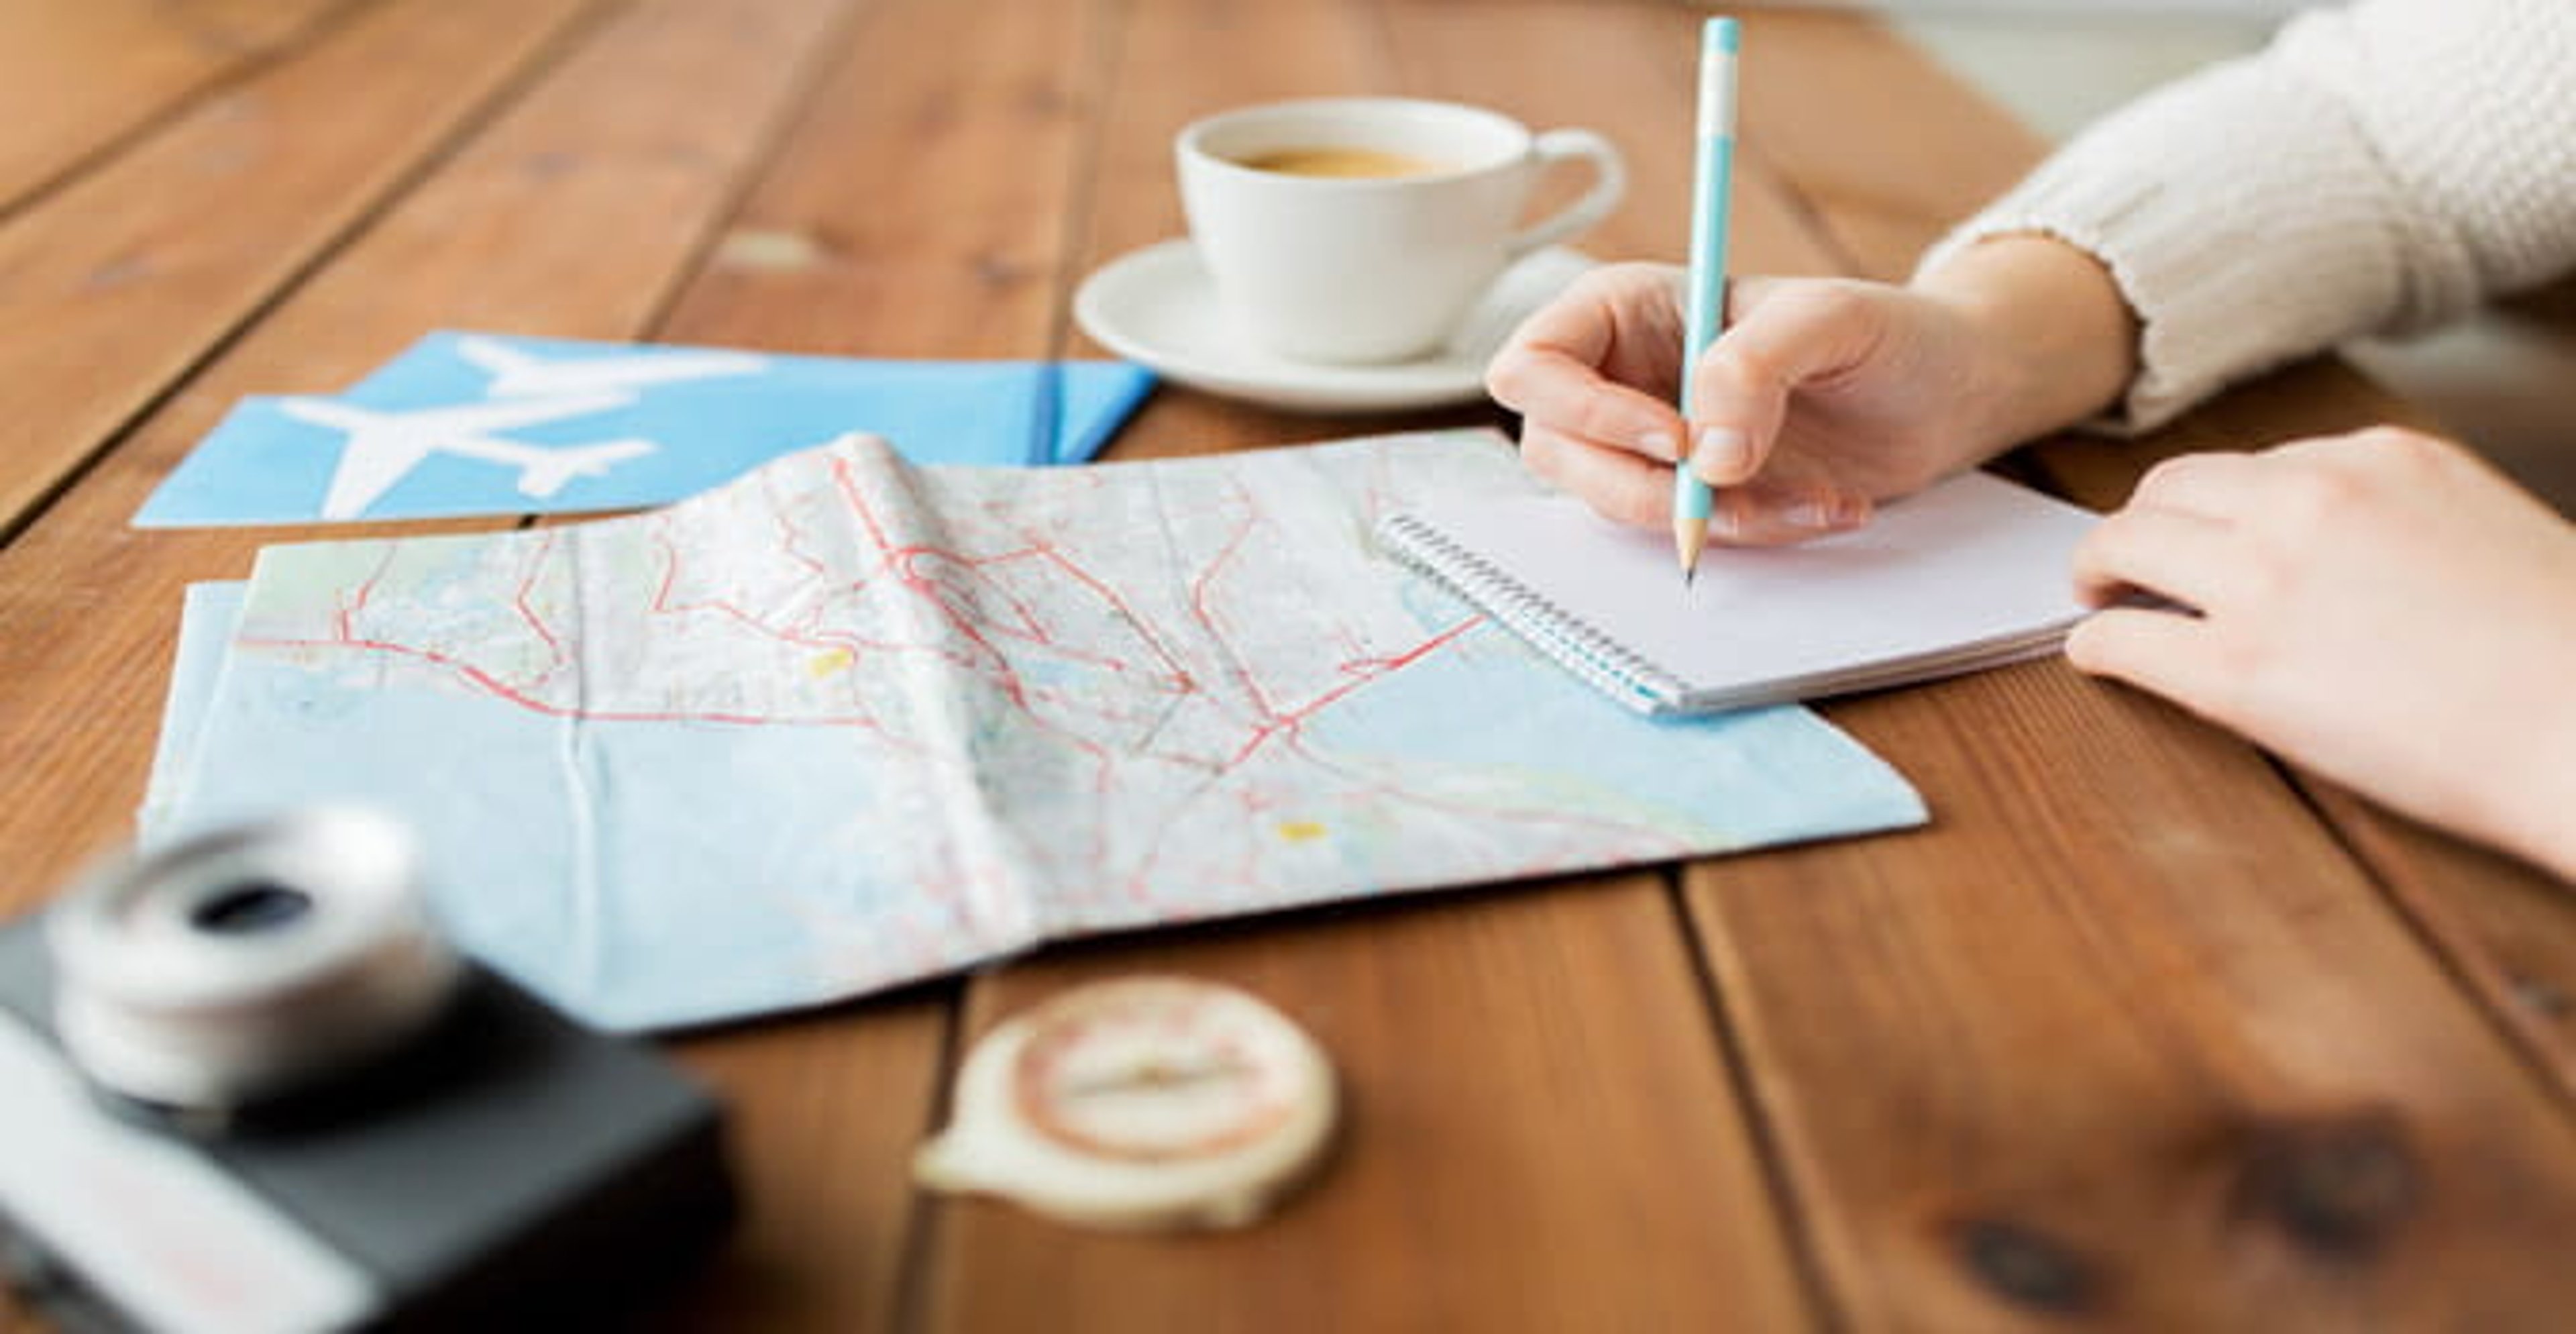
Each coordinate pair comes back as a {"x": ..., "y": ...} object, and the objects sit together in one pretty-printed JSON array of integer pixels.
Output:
[{"x": 2383, "y": 608}]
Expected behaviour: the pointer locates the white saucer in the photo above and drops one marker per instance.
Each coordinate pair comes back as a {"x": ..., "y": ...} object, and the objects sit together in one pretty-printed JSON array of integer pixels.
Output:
[{"x": 1155, "y": 307}]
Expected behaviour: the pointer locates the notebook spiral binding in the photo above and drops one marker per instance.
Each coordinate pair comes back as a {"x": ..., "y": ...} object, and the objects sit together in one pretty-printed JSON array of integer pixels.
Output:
[{"x": 1552, "y": 630}]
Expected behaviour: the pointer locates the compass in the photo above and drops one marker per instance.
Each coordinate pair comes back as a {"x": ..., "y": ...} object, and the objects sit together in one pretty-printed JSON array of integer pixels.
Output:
[{"x": 1143, "y": 1102}]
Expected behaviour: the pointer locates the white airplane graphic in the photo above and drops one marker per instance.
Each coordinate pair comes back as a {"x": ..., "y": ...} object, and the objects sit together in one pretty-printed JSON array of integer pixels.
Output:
[
  {"x": 383, "y": 447},
  {"x": 516, "y": 374}
]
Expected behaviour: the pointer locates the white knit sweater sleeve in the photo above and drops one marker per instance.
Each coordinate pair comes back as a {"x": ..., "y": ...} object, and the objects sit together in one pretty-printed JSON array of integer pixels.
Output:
[{"x": 2377, "y": 168}]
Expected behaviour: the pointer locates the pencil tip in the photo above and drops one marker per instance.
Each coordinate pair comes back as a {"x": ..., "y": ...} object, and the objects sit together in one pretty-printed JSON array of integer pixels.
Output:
[{"x": 1690, "y": 574}]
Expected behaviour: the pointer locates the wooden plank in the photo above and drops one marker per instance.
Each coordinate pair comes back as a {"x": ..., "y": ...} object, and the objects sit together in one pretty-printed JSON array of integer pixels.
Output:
[
  {"x": 572, "y": 215},
  {"x": 2502, "y": 924},
  {"x": 129, "y": 276},
  {"x": 2206, "y": 1082},
  {"x": 1819, "y": 103},
  {"x": 823, "y": 1116},
  {"x": 1533, "y": 1106},
  {"x": 74, "y": 79},
  {"x": 920, "y": 208},
  {"x": 2511, "y": 932},
  {"x": 848, "y": 245},
  {"x": 2209, "y": 1081},
  {"x": 1484, "y": 1039},
  {"x": 1569, "y": 54},
  {"x": 569, "y": 217},
  {"x": 2506, "y": 928}
]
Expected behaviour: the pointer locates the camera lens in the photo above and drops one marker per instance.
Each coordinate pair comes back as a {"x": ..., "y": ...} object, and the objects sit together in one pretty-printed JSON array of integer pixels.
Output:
[
  {"x": 239, "y": 910},
  {"x": 250, "y": 962}
]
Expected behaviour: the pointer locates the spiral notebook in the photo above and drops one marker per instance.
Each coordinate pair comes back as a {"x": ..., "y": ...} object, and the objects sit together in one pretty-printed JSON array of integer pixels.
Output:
[{"x": 1969, "y": 574}]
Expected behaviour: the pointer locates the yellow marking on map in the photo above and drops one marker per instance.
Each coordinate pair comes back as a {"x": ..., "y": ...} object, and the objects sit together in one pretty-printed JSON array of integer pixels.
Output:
[
  {"x": 824, "y": 664},
  {"x": 1301, "y": 831}
]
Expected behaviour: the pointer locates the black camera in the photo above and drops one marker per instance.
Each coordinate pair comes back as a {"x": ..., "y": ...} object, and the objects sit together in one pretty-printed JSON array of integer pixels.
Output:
[{"x": 246, "y": 1085}]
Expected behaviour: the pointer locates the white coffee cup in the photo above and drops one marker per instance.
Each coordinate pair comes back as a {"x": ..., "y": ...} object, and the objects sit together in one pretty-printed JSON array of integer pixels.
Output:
[{"x": 1371, "y": 268}]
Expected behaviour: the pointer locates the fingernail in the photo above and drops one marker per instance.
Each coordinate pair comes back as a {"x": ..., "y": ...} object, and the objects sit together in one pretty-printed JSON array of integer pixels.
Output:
[
  {"x": 1807, "y": 514},
  {"x": 1659, "y": 444},
  {"x": 1722, "y": 450},
  {"x": 1849, "y": 512}
]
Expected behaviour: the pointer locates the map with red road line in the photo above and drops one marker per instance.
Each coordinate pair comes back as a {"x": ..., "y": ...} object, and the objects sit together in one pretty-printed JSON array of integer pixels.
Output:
[{"x": 848, "y": 722}]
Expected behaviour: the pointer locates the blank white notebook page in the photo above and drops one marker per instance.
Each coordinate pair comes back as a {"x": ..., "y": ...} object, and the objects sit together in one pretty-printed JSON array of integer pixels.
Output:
[{"x": 1937, "y": 582}]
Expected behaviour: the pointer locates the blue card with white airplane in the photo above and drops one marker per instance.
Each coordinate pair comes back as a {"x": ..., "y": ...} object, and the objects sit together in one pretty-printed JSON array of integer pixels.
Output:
[{"x": 474, "y": 424}]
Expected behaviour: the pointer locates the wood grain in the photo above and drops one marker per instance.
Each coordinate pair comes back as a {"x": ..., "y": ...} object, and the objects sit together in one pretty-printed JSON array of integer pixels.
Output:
[
  {"x": 919, "y": 207},
  {"x": 2138, "y": 1034},
  {"x": 1533, "y": 1103},
  {"x": 2508, "y": 929},
  {"x": 1883, "y": 148},
  {"x": 507, "y": 235},
  {"x": 2505, "y": 927},
  {"x": 822, "y": 1113},
  {"x": 77, "y": 78},
  {"x": 1508, "y": 1055},
  {"x": 915, "y": 207},
  {"x": 576, "y": 214},
  {"x": 127, "y": 277},
  {"x": 2020, "y": 1082}
]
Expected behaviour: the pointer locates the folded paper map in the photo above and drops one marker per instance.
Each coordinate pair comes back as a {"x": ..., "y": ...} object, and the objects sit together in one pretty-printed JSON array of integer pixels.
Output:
[{"x": 849, "y": 722}]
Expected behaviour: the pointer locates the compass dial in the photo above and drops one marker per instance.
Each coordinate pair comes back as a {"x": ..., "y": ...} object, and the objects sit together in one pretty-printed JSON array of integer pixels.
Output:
[
  {"x": 1140, "y": 1102},
  {"x": 1160, "y": 1069}
]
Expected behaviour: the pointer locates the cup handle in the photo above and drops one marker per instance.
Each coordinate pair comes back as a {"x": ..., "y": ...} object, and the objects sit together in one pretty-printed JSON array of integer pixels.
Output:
[{"x": 1610, "y": 181}]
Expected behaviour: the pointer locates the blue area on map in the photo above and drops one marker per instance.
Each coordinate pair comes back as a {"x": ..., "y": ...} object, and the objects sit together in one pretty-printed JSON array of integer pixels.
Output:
[
  {"x": 560, "y": 873},
  {"x": 206, "y": 622}
]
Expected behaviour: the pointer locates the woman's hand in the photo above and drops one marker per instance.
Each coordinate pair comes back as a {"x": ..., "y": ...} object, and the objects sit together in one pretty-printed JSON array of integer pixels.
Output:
[
  {"x": 1822, "y": 397},
  {"x": 2382, "y": 608}
]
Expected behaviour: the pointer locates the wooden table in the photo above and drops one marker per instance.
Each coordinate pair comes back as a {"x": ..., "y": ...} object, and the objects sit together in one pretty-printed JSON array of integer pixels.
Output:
[{"x": 2143, "y": 1031}]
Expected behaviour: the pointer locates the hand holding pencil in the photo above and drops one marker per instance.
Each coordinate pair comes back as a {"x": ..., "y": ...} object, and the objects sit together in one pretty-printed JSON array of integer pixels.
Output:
[{"x": 1820, "y": 397}]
